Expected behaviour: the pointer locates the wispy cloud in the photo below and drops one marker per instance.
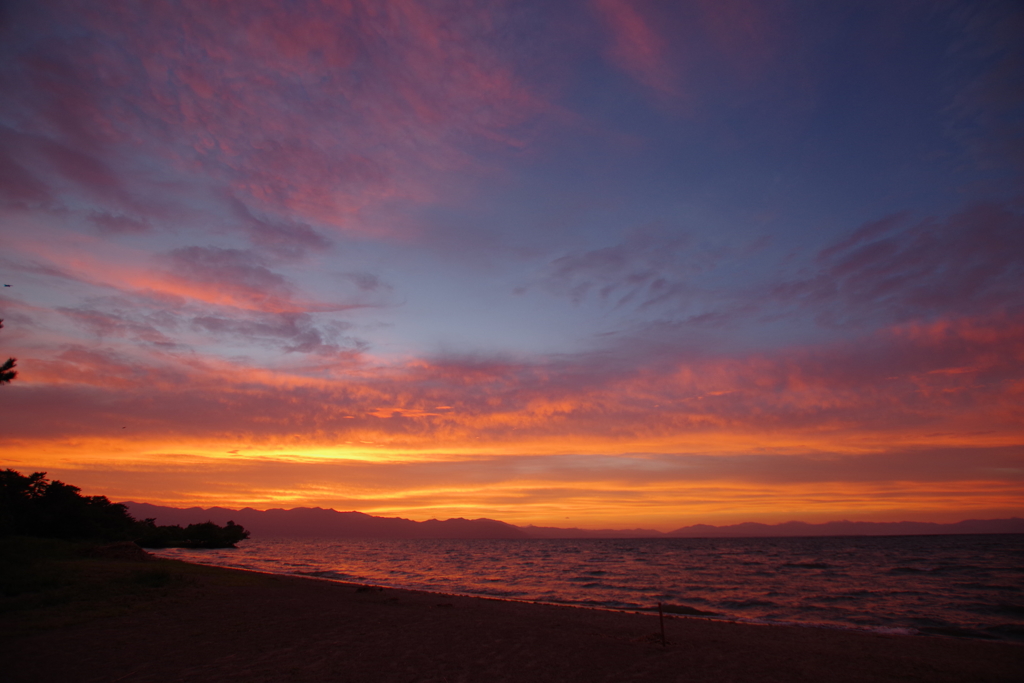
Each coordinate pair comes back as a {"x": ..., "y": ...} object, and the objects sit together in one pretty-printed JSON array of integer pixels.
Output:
[
  {"x": 894, "y": 270},
  {"x": 227, "y": 95},
  {"x": 638, "y": 48},
  {"x": 943, "y": 382},
  {"x": 898, "y": 269}
]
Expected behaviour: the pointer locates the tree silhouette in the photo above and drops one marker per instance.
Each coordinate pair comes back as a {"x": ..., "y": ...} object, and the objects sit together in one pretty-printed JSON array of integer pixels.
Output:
[
  {"x": 7, "y": 371},
  {"x": 35, "y": 506},
  {"x": 205, "y": 535}
]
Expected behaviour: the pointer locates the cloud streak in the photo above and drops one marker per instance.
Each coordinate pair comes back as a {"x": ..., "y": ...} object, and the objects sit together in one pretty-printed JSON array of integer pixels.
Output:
[
  {"x": 228, "y": 95},
  {"x": 943, "y": 382}
]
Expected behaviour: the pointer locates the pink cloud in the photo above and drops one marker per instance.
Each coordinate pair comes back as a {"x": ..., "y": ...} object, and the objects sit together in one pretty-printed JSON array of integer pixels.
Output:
[
  {"x": 232, "y": 273},
  {"x": 222, "y": 93},
  {"x": 240, "y": 280},
  {"x": 638, "y": 48},
  {"x": 674, "y": 49},
  {"x": 954, "y": 381}
]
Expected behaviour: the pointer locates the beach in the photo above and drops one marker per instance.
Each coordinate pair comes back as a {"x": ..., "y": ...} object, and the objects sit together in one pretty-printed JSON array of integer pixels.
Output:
[
  {"x": 183, "y": 622},
  {"x": 965, "y": 586}
]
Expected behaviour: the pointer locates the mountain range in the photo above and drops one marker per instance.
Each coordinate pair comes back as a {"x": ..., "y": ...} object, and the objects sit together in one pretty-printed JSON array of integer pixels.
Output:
[{"x": 329, "y": 523}]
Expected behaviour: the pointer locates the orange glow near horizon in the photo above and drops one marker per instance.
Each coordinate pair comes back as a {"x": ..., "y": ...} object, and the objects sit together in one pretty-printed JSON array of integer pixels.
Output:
[
  {"x": 525, "y": 493},
  {"x": 528, "y": 483},
  {"x": 643, "y": 449}
]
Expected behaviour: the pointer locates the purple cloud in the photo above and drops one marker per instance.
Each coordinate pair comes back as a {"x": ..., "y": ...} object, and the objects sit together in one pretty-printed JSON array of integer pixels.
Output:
[
  {"x": 291, "y": 332},
  {"x": 282, "y": 238},
  {"x": 234, "y": 271},
  {"x": 896, "y": 270}
]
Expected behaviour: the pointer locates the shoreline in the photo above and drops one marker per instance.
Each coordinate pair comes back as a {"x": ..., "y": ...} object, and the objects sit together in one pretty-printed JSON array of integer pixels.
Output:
[
  {"x": 210, "y": 623},
  {"x": 650, "y": 611},
  {"x": 952, "y": 632}
]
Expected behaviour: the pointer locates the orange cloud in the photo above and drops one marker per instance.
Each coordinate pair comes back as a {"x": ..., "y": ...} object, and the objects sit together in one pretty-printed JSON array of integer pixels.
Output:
[
  {"x": 946, "y": 382},
  {"x": 867, "y": 428},
  {"x": 590, "y": 491}
]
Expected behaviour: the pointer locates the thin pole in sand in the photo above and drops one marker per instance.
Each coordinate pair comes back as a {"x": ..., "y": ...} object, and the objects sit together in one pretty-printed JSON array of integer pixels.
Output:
[{"x": 661, "y": 618}]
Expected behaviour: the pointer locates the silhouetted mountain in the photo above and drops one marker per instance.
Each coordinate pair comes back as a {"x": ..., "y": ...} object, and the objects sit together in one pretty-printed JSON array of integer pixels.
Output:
[
  {"x": 321, "y": 523},
  {"x": 556, "y": 532},
  {"x": 1014, "y": 525}
]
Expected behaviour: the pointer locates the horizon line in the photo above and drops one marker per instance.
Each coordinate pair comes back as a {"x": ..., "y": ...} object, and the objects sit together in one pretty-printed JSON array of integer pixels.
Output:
[{"x": 598, "y": 529}]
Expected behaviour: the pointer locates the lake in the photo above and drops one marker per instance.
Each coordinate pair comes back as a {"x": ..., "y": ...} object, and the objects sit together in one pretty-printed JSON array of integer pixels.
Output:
[{"x": 971, "y": 586}]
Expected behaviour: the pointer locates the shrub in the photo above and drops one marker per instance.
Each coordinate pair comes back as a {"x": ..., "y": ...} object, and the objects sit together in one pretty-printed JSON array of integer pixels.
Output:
[{"x": 205, "y": 535}]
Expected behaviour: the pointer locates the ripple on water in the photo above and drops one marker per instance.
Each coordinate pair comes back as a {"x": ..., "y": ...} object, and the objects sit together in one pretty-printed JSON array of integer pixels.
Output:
[
  {"x": 857, "y": 582},
  {"x": 747, "y": 604}
]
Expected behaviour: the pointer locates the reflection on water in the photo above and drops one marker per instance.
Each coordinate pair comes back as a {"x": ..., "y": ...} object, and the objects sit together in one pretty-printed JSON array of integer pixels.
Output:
[{"x": 952, "y": 585}]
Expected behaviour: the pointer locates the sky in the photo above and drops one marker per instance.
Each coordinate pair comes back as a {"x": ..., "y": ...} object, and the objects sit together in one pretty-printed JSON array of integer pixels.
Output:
[{"x": 595, "y": 263}]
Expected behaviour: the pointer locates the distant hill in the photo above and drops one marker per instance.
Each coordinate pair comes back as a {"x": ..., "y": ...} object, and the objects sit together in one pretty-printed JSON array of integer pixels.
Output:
[
  {"x": 318, "y": 522},
  {"x": 321, "y": 523},
  {"x": 1014, "y": 525},
  {"x": 556, "y": 532}
]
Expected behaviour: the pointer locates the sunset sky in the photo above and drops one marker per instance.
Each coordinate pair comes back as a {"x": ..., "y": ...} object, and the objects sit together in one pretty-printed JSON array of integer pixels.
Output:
[{"x": 597, "y": 263}]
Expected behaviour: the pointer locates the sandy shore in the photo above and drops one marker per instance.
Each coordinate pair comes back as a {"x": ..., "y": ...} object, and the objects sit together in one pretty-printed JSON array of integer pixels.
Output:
[{"x": 227, "y": 625}]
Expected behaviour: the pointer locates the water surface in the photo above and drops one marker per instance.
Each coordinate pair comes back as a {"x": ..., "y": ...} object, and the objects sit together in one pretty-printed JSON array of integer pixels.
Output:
[{"x": 951, "y": 585}]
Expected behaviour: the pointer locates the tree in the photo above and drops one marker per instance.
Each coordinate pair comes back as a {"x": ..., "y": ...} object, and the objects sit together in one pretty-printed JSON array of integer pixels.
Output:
[
  {"x": 36, "y": 506},
  {"x": 7, "y": 371},
  {"x": 205, "y": 535}
]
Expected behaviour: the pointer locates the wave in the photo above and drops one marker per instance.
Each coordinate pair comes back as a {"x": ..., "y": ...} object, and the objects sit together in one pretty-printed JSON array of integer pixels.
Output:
[{"x": 935, "y": 585}]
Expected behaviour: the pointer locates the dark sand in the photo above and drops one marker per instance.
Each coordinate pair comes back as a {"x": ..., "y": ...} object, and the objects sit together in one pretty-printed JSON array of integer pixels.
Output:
[{"x": 225, "y": 625}]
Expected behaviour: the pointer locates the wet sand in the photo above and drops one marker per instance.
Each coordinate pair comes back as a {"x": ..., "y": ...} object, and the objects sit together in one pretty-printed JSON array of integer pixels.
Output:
[{"x": 229, "y": 625}]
